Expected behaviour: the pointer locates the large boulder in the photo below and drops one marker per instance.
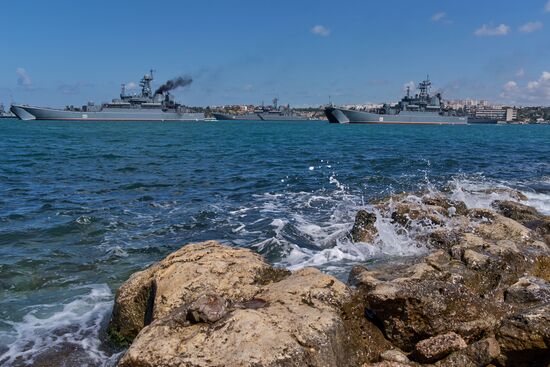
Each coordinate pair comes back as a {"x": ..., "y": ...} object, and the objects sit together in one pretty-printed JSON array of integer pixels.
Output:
[
  {"x": 525, "y": 338},
  {"x": 222, "y": 306},
  {"x": 181, "y": 278},
  {"x": 416, "y": 309}
]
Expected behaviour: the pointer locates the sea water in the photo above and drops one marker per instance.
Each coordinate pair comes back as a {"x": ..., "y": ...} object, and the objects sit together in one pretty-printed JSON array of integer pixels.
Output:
[{"x": 84, "y": 205}]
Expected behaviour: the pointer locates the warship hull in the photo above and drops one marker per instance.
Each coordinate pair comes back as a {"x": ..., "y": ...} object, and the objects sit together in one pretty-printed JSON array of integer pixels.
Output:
[
  {"x": 259, "y": 117},
  {"x": 482, "y": 120},
  {"x": 128, "y": 114},
  {"x": 346, "y": 116}
]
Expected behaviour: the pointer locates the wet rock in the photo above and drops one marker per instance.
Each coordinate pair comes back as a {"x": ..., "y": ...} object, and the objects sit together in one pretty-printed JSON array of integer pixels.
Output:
[
  {"x": 207, "y": 308},
  {"x": 355, "y": 274},
  {"x": 394, "y": 355},
  {"x": 478, "y": 354},
  {"x": 180, "y": 279},
  {"x": 516, "y": 211},
  {"x": 454, "y": 207},
  {"x": 444, "y": 239},
  {"x": 363, "y": 229},
  {"x": 405, "y": 213},
  {"x": 525, "y": 338},
  {"x": 528, "y": 290},
  {"x": 514, "y": 194},
  {"x": 437, "y": 347}
]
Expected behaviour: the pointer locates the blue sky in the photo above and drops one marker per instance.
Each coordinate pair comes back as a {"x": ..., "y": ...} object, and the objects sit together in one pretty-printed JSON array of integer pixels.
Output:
[{"x": 69, "y": 52}]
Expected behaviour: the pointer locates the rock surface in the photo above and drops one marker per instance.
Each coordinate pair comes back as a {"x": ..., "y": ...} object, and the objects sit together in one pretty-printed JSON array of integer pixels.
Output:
[
  {"x": 301, "y": 320},
  {"x": 435, "y": 348},
  {"x": 479, "y": 296},
  {"x": 363, "y": 229},
  {"x": 181, "y": 278}
]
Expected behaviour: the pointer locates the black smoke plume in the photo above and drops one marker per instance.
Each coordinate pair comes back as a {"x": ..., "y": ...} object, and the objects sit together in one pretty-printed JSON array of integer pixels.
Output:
[{"x": 172, "y": 84}]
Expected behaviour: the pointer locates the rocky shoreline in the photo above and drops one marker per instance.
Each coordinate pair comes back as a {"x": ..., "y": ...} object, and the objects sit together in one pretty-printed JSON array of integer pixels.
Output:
[{"x": 479, "y": 296}]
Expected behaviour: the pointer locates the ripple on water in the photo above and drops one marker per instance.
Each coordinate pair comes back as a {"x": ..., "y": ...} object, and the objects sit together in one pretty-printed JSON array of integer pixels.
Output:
[{"x": 111, "y": 209}]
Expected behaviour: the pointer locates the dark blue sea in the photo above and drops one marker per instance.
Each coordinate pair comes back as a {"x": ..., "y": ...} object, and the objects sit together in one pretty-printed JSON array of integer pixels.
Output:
[{"x": 84, "y": 205}]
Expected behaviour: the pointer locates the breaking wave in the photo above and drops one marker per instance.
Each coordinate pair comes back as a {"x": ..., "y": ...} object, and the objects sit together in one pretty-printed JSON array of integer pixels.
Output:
[
  {"x": 312, "y": 229},
  {"x": 51, "y": 332}
]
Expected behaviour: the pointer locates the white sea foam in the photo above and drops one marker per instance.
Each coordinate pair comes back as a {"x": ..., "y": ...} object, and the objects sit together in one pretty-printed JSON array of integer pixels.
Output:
[
  {"x": 312, "y": 229},
  {"x": 46, "y": 328},
  {"x": 539, "y": 201}
]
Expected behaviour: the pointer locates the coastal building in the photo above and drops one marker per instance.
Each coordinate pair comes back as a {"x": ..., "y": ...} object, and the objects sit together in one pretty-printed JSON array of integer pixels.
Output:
[
  {"x": 498, "y": 113},
  {"x": 511, "y": 114}
]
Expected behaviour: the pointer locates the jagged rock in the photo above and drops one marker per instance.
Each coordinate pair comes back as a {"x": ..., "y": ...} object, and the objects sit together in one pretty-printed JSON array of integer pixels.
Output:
[
  {"x": 474, "y": 259},
  {"x": 183, "y": 276},
  {"x": 404, "y": 213},
  {"x": 305, "y": 318},
  {"x": 394, "y": 355},
  {"x": 441, "y": 201},
  {"x": 444, "y": 239},
  {"x": 525, "y": 338},
  {"x": 437, "y": 347},
  {"x": 541, "y": 227},
  {"x": 516, "y": 211},
  {"x": 528, "y": 290},
  {"x": 412, "y": 310},
  {"x": 478, "y": 354},
  {"x": 355, "y": 275},
  {"x": 499, "y": 227},
  {"x": 363, "y": 229}
]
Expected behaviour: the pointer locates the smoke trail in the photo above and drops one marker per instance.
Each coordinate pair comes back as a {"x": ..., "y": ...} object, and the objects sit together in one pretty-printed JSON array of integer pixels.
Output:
[{"x": 172, "y": 84}]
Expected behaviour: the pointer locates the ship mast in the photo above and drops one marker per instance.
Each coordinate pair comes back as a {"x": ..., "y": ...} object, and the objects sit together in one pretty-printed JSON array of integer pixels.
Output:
[
  {"x": 425, "y": 88},
  {"x": 145, "y": 85}
]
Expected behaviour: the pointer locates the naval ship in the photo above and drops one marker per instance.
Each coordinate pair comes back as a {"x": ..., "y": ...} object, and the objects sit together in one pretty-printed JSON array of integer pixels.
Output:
[
  {"x": 146, "y": 106},
  {"x": 269, "y": 113},
  {"x": 418, "y": 109}
]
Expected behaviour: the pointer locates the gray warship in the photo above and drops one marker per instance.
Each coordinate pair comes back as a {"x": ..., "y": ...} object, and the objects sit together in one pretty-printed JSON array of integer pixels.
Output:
[
  {"x": 418, "y": 109},
  {"x": 146, "y": 106},
  {"x": 264, "y": 113}
]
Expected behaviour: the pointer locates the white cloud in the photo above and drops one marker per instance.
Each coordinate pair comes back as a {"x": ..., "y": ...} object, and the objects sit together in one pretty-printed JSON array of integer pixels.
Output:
[
  {"x": 547, "y": 7},
  {"x": 320, "y": 30},
  {"x": 534, "y": 92},
  {"x": 485, "y": 30},
  {"x": 531, "y": 27},
  {"x": 439, "y": 16},
  {"x": 510, "y": 86},
  {"x": 520, "y": 73},
  {"x": 131, "y": 85},
  {"x": 23, "y": 78}
]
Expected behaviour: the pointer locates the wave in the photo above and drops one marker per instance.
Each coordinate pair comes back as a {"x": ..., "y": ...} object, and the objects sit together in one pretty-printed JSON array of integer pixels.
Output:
[
  {"x": 74, "y": 327},
  {"x": 312, "y": 228}
]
